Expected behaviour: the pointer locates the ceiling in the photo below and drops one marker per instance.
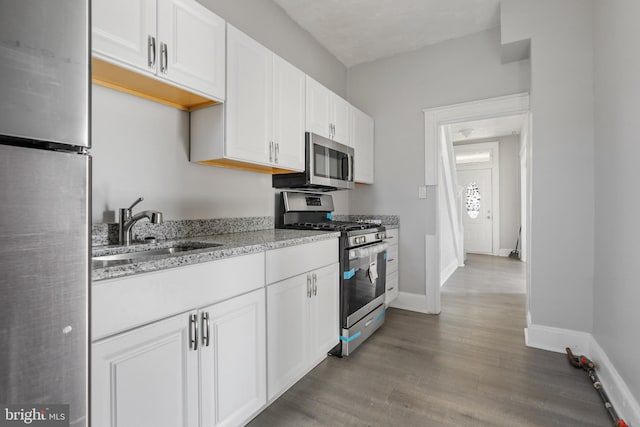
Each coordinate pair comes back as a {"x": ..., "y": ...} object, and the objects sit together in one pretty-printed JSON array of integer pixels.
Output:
[
  {"x": 487, "y": 128},
  {"x": 357, "y": 31}
]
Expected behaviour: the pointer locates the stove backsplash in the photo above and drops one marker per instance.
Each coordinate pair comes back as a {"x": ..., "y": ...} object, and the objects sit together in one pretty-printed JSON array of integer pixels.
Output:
[
  {"x": 386, "y": 220},
  {"x": 107, "y": 233}
]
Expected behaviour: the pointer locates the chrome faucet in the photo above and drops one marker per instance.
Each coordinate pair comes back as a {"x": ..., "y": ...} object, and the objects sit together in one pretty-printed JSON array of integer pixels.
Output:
[{"x": 127, "y": 221}]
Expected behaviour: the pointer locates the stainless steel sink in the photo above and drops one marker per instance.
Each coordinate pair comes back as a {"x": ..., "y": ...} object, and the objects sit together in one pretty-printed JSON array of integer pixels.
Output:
[{"x": 131, "y": 257}]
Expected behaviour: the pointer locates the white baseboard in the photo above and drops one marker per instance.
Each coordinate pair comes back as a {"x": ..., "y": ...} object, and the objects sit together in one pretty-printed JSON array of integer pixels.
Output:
[
  {"x": 623, "y": 401},
  {"x": 504, "y": 252},
  {"x": 448, "y": 271},
  {"x": 411, "y": 302},
  {"x": 557, "y": 339},
  {"x": 583, "y": 343}
]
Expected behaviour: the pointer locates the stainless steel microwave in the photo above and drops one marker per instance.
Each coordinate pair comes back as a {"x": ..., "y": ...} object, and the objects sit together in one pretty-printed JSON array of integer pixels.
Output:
[{"x": 328, "y": 167}]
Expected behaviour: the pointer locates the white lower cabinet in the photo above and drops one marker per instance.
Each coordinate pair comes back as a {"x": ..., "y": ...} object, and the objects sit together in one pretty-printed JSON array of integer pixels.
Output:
[
  {"x": 192, "y": 346},
  {"x": 303, "y": 325},
  {"x": 233, "y": 368},
  {"x": 147, "y": 377},
  {"x": 392, "y": 266},
  {"x": 206, "y": 365}
]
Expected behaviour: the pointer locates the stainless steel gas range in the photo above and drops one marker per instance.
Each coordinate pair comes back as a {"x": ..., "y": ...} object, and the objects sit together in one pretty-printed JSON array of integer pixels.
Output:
[{"x": 363, "y": 259}]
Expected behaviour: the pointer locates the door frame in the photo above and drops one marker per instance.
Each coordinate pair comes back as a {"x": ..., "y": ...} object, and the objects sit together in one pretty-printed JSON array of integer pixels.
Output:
[
  {"x": 434, "y": 118},
  {"x": 494, "y": 165}
]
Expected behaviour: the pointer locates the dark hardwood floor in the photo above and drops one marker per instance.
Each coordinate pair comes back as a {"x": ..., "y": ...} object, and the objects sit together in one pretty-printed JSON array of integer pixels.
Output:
[{"x": 467, "y": 366}]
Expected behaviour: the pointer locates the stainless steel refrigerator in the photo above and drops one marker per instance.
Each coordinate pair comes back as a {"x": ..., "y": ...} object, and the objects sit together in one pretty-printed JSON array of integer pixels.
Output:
[{"x": 45, "y": 191}]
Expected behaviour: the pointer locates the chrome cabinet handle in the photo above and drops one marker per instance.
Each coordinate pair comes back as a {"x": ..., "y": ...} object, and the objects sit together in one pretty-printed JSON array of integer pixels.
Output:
[
  {"x": 270, "y": 151},
  {"x": 277, "y": 150},
  {"x": 391, "y": 259},
  {"x": 391, "y": 288},
  {"x": 164, "y": 58},
  {"x": 205, "y": 329},
  {"x": 315, "y": 284},
  {"x": 151, "y": 51},
  {"x": 308, "y": 286},
  {"x": 193, "y": 331}
]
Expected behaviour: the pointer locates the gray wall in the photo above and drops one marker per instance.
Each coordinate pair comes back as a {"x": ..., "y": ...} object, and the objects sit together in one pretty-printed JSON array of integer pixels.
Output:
[
  {"x": 509, "y": 187},
  {"x": 617, "y": 90},
  {"x": 266, "y": 22},
  {"x": 394, "y": 91},
  {"x": 562, "y": 216},
  {"x": 141, "y": 148}
]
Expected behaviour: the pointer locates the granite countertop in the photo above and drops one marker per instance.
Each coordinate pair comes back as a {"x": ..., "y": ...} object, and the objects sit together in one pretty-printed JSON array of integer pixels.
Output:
[{"x": 231, "y": 244}]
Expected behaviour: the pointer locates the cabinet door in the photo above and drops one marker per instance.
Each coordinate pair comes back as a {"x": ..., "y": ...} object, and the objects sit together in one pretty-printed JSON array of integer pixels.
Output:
[
  {"x": 318, "y": 100},
  {"x": 122, "y": 31},
  {"x": 324, "y": 312},
  {"x": 340, "y": 117},
  {"x": 287, "y": 332},
  {"x": 362, "y": 139},
  {"x": 191, "y": 46},
  {"x": 233, "y": 362},
  {"x": 288, "y": 114},
  {"x": 249, "y": 93},
  {"x": 146, "y": 378}
]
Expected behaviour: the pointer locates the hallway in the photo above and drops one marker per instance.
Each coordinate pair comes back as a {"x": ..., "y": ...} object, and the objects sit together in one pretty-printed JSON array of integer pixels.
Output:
[{"x": 467, "y": 366}]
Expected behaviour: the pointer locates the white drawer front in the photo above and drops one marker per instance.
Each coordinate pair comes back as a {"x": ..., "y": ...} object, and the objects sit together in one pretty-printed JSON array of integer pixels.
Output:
[
  {"x": 121, "y": 304},
  {"x": 392, "y": 288},
  {"x": 392, "y": 259},
  {"x": 294, "y": 260},
  {"x": 392, "y": 236}
]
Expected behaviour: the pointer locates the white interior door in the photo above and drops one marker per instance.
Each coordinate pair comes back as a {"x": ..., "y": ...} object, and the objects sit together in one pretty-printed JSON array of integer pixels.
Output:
[{"x": 477, "y": 210}]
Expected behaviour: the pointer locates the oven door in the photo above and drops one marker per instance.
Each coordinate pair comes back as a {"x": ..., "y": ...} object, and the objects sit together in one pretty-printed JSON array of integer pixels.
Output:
[{"x": 363, "y": 281}]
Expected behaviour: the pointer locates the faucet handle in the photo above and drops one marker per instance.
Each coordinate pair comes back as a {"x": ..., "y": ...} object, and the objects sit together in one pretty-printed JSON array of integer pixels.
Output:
[{"x": 136, "y": 202}]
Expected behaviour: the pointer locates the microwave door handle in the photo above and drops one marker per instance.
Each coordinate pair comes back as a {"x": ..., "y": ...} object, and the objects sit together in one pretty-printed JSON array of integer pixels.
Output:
[{"x": 350, "y": 166}]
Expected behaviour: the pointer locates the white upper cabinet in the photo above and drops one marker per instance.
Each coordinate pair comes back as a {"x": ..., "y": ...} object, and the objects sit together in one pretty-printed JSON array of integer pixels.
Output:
[
  {"x": 327, "y": 113},
  {"x": 362, "y": 139},
  {"x": 341, "y": 112},
  {"x": 264, "y": 114},
  {"x": 249, "y": 93},
  {"x": 124, "y": 31},
  {"x": 192, "y": 46},
  {"x": 179, "y": 41},
  {"x": 288, "y": 114},
  {"x": 318, "y": 101}
]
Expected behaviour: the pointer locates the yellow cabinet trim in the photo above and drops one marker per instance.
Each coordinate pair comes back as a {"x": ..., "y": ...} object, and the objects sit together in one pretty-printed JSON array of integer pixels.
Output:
[
  {"x": 127, "y": 81},
  {"x": 236, "y": 164}
]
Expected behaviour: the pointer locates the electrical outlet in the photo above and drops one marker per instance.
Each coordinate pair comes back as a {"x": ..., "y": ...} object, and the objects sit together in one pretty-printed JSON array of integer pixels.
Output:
[{"x": 422, "y": 192}]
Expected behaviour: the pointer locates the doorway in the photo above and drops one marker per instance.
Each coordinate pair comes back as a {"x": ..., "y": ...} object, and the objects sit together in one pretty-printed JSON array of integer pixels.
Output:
[
  {"x": 438, "y": 153},
  {"x": 478, "y": 175}
]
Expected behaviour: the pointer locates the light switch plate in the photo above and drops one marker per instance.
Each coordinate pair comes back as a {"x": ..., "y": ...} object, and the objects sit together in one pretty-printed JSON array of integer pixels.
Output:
[{"x": 422, "y": 192}]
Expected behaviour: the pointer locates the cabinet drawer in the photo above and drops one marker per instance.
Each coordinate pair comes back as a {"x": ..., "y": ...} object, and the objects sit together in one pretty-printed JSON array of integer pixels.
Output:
[
  {"x": 392, "y": 288},
  {"x": 294, "y": 260},
  {"x": 121, "y": 304},
  {"x": 392, "y": 236},
  {"x": 392, "y": 259}
]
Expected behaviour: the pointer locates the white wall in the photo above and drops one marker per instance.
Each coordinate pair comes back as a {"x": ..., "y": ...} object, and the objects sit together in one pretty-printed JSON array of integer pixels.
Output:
[
  {"x": 448, "y": 254},
  {"x": 617, "y": 90},
  {"x": 394, "y": 91},
  {"x": 509, "y": 147},
  {"x": 141, "y": 148},
  {"x": 562, "y": 216}
]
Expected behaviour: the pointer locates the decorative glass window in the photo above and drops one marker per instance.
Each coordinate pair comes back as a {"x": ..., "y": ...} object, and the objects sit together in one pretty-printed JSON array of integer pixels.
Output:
[{"x": 472, "y": 200}]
